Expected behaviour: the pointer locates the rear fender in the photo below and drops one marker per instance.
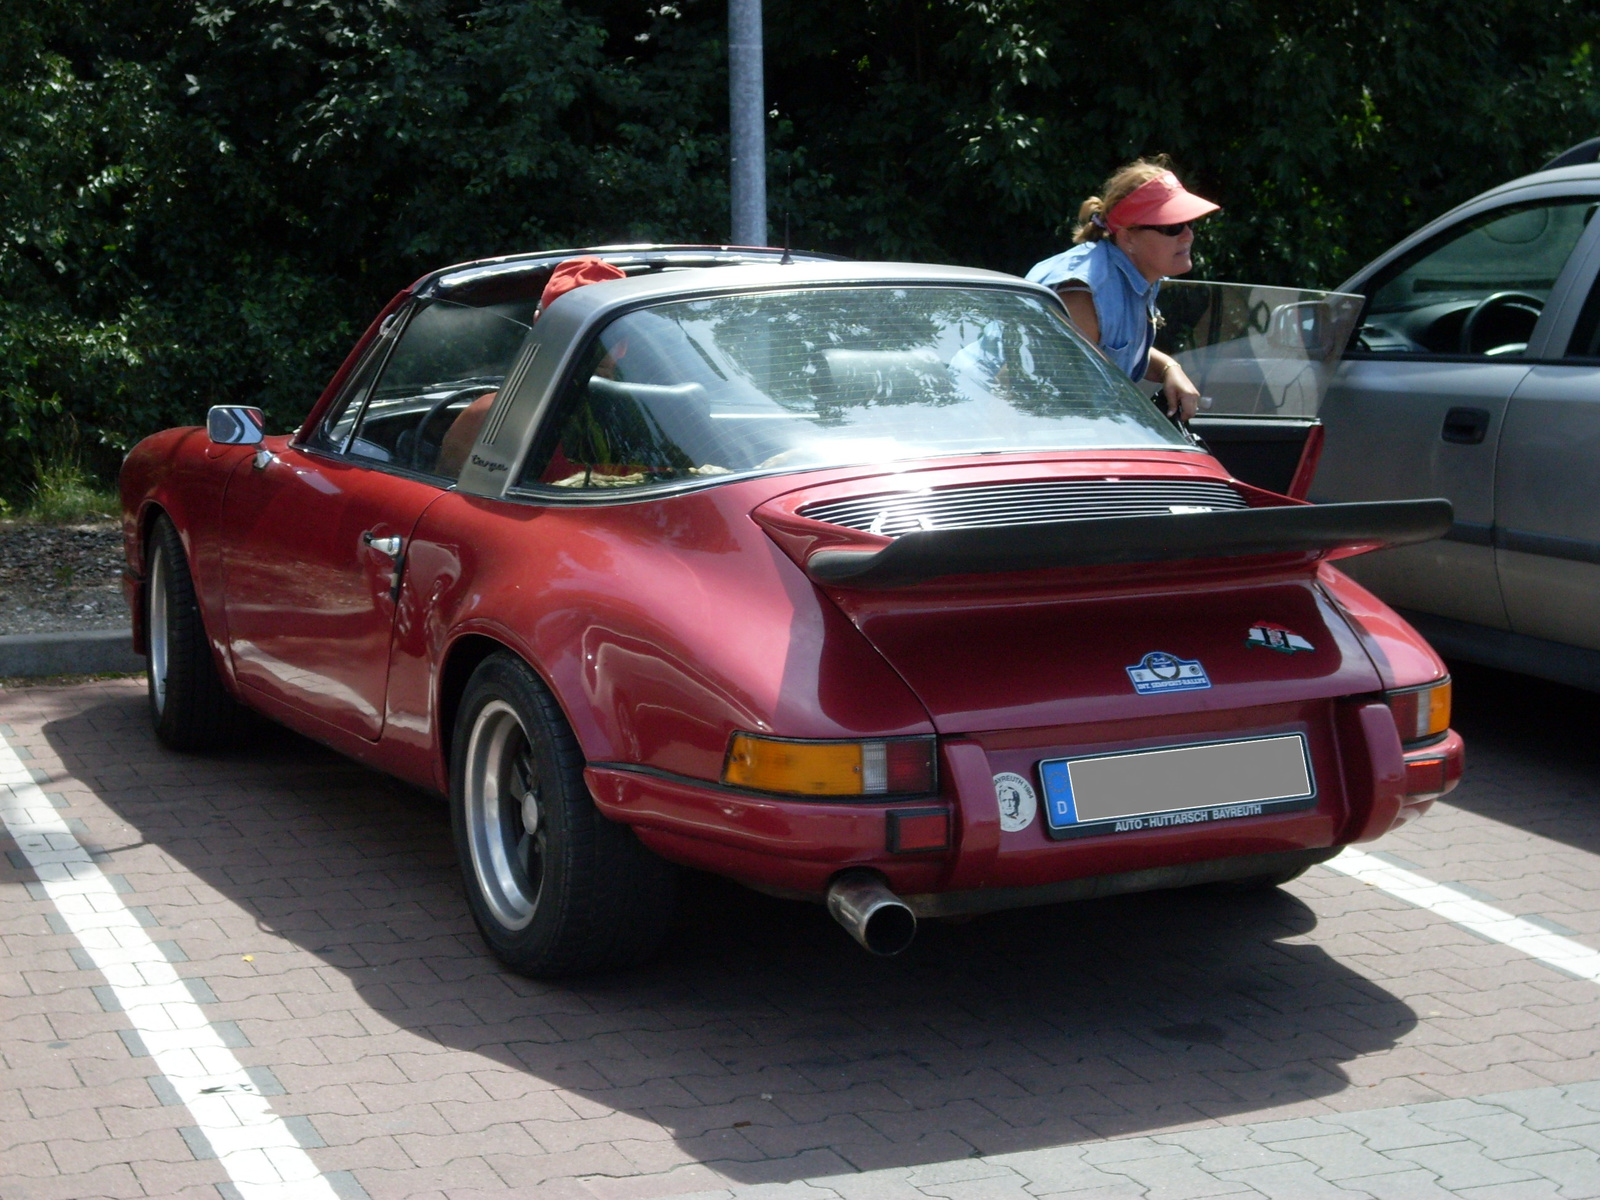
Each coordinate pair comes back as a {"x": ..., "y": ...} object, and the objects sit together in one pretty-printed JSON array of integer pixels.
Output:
[
  {"x": 1402, "y": 656},
  {"x": 659, "y": 676}
]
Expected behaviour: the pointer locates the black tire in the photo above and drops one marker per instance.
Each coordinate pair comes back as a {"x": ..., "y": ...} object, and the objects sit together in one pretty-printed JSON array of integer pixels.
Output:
[
  {"x": 555, "y": 888},
  {"x": 189, "y": 707}
]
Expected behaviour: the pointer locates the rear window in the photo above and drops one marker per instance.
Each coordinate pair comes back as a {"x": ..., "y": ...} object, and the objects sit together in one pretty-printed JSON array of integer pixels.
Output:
[{"x": 832, "y": 376}]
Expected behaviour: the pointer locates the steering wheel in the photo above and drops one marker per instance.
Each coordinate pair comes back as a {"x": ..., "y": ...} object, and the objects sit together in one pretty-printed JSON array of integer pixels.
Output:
[
  {"x": 418, "y": 434},
  {"x": 1492, "y": 303}
]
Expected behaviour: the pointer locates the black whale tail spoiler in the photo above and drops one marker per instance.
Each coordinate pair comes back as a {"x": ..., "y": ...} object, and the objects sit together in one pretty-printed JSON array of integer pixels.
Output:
[{"x": 1312, "y": 531}]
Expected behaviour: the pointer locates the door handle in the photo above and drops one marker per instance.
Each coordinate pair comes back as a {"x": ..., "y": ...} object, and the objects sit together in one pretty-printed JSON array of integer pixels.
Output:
[
  {"x": 388, "y": 546},
  {"x": 1465, "y": 426}
]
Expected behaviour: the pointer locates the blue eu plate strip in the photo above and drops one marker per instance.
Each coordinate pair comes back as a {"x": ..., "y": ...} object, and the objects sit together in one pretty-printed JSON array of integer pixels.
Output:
[{"x": 1057, "y": 778}]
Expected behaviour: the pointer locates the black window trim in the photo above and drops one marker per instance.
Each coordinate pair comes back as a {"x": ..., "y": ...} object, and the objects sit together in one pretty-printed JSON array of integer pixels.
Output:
[{"x": 384, "y": 345}]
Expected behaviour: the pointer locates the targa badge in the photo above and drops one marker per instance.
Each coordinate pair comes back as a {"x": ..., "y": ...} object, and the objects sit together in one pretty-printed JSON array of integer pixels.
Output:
[
  {"x": 1162, "y": 672},
  {"x": 1276, "y": 637},
  {"x": 1017, "y": 801}
]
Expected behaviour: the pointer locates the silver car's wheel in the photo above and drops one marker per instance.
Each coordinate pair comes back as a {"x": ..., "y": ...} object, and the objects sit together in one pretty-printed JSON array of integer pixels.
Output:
[
  {"x": 501, "y": 795},
  {"x": 554, "y": 887}
]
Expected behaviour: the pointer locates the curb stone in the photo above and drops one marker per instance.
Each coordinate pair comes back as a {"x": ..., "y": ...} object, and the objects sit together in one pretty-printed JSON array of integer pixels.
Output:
[{"x": 81, "y": 652}]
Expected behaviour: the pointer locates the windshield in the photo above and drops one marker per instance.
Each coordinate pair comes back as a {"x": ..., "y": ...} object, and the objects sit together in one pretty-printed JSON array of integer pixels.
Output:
[{"x": 833, "y": 376}]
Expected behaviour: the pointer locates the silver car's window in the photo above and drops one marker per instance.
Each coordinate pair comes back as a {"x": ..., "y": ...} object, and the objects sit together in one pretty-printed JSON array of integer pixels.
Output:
[
  {"x": 438, "y": 384},
  {"x": 1585, "y": 342},
  {"x": 1479, "y": 287},
  {"x": 780, "y": 381}
]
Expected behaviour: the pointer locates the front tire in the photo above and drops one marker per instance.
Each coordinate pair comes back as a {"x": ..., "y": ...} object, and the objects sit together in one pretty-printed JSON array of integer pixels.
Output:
[
  {"x": 189, "y": 707},
  {"x": 554, "y": 887}
]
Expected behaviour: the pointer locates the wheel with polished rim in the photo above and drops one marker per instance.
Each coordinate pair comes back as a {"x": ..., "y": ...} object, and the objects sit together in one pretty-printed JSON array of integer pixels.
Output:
[
  {"x": 555, "y": 888},
  {"x": 189, "y": 707}
]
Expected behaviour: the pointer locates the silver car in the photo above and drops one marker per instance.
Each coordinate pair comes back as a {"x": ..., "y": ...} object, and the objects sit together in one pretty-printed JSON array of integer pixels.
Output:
[{"x": 1475, "y": 375}]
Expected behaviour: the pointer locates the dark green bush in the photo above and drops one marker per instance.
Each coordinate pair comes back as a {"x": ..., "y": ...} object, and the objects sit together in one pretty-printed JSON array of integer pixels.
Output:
[{"x": 205, "y": 202}]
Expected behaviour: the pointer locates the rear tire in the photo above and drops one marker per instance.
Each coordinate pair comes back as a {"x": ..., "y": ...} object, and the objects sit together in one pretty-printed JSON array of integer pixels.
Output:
[
  {"x": 189, "y": 707},
  {"x": 554, "y": 887}
]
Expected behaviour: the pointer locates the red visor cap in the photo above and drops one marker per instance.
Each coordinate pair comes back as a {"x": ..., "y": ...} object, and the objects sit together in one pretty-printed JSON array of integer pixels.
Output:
[
  {"x": 575, "y": 273},
  {"x": 1161, "y": 201}
]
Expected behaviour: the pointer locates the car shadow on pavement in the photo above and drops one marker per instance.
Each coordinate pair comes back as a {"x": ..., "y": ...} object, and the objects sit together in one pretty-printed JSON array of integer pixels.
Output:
[
  {"x": 1544, "y": 732},
  {"x": 764, "y": 1040}
]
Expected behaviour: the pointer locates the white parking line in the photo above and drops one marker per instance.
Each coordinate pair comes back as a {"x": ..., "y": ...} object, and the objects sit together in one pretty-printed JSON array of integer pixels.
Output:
[
  {"x": 1552, "y": 949},
  {"x": 253, "y": 1144}
]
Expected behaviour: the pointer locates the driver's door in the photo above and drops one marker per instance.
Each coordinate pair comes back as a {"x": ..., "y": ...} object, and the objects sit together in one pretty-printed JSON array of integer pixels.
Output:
[
  {"x": 318, "y": 533},
  {"x": 1418, "y": 406},
  {"x": 312, "y": 571}
]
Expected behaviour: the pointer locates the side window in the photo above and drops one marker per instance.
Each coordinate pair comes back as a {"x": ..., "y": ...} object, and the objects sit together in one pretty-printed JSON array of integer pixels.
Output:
[
  {"x": 635, "y": 412},
  {"x": 1477, "y": 288},
  {"x": 334, "y": 432},
  {"x": 437, "y": 387}
]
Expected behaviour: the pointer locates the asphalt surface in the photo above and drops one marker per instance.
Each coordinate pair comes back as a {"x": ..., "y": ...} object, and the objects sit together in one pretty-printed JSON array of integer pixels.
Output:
[{"x": 252, "y": 974}]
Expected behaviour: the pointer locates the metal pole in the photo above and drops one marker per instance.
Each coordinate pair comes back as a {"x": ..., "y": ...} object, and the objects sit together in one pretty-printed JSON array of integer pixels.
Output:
[{"x": 746, "y": 123}]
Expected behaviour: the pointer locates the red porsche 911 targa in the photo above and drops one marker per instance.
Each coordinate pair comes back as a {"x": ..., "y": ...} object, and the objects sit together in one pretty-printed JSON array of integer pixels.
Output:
[{"x": 872, "y": 584}]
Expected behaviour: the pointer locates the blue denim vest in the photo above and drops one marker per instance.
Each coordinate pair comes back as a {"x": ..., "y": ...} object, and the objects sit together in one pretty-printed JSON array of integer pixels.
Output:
[{"x": 1124, "y": 300}]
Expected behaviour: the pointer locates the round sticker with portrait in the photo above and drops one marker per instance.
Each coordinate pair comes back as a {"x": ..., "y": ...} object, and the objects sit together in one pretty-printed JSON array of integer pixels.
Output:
[{"x": 1018, "y": 803}]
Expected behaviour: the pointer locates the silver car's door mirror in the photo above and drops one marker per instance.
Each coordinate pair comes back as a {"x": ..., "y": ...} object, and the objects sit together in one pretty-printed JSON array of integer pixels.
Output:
[
  {"x": 1302, "y": 328},
  {"x": 233, "y": 425}
]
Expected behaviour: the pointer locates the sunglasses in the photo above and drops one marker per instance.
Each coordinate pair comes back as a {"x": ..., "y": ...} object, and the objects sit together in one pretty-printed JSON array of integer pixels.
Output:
[{"x": 1168, "y": 230}]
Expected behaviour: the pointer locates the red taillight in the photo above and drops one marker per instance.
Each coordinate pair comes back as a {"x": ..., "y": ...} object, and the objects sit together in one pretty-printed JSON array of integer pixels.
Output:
[
  {"x": 910, "y": 766},
  {"x": 1425, "y": 777},
  {"x": 918, "y": 829},
  {"x": 1432, "y": 776}
]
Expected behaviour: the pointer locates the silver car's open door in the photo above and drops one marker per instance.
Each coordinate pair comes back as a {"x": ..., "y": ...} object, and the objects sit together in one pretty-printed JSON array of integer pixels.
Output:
[{"x": 1264, "y": 357}]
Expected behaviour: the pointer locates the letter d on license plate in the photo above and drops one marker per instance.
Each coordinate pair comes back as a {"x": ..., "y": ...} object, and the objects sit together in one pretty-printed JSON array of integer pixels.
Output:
[{"x": 1177, "y": 785}]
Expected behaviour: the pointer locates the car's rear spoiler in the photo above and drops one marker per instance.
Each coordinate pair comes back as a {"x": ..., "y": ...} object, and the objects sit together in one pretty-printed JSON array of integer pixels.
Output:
[{"x": 1314, "y": 529}]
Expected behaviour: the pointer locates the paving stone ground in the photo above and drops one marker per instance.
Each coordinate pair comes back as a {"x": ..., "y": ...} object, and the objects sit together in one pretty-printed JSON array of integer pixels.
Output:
[{"x": 1324, "y": 1040}]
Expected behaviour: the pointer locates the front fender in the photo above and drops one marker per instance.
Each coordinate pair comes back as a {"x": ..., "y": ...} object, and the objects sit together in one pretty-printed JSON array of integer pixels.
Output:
[{"x": 182, "y": 474}]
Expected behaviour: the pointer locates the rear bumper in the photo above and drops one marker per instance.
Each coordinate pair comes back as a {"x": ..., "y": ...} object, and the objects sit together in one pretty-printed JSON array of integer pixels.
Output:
[
  {"x": 1368, "y": 785},
  {"x": 1431, "y": 772}
]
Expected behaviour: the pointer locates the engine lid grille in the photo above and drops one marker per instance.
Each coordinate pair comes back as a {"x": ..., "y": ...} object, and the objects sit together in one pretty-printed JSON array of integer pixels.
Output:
[{"x": 989, "y": 506}]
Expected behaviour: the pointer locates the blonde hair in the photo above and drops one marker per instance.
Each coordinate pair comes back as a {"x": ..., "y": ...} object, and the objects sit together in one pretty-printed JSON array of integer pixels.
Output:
[{"x": 1126, "y": 180}]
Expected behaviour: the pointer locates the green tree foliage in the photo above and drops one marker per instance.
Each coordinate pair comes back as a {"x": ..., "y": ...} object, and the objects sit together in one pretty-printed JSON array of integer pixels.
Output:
[{"x": 203, "y": 201}]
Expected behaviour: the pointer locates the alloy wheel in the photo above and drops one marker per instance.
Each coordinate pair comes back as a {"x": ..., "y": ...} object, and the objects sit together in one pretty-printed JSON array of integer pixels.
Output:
[
  {"x": 157, "y": 632},
  {"x": 504, "y": 826}
]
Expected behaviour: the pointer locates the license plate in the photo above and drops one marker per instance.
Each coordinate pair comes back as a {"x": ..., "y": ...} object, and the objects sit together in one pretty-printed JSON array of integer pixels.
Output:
[{"x": 1177, "y": 785}]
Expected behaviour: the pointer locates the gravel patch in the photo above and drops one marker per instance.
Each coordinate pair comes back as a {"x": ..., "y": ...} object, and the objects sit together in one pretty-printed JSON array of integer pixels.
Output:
[{"x": 58, "y": 578}]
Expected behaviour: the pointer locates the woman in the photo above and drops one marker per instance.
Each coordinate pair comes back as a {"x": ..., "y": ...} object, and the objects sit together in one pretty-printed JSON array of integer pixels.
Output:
[{"x": 1127, "y": 240}]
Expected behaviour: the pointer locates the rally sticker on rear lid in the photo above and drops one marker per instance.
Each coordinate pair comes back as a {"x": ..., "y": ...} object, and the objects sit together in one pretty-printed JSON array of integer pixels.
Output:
[
  {"x": 1276, "y": 637},
  {"x": 1159, "y": 672}
]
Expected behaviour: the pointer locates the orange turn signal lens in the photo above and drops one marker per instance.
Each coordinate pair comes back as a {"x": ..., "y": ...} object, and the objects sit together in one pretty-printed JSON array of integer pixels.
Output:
[
  {"x": 887, "y": 768},
  {"x": 1422, "y": 712}
]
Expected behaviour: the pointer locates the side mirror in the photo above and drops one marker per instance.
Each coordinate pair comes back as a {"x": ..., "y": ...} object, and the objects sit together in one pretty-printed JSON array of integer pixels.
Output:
[
  {"x": 232, "y": 425},
  {"x": 1301, "y": 327}
]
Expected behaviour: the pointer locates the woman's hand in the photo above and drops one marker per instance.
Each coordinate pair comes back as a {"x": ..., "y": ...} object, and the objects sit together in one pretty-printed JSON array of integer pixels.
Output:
[{"x": 1182, "y": 397}]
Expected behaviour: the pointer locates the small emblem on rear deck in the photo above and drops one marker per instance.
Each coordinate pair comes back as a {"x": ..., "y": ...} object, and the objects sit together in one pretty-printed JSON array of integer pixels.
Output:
[
  {"x": 1161, "y": 672},
  {"x": 1018, "y": 803},
  {"x": 1276, "y": 637}
]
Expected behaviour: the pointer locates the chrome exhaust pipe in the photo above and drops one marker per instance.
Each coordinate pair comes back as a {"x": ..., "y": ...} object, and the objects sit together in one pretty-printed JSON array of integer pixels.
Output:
[{"x": 875, "y": 916}]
